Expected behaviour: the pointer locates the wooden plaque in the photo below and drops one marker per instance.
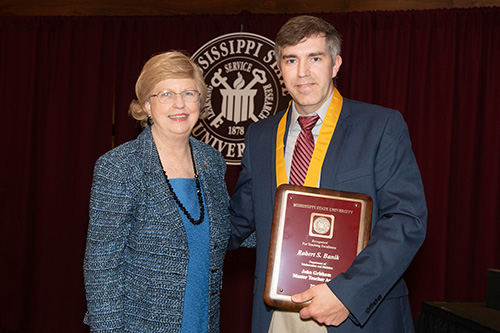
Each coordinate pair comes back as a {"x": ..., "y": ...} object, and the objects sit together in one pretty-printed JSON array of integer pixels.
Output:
[{"x": 316, "y": 234}]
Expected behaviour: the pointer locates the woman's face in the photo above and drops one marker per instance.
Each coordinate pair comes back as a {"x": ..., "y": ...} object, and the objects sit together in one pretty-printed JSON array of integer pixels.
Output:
[{"x": 179, "y": 112}]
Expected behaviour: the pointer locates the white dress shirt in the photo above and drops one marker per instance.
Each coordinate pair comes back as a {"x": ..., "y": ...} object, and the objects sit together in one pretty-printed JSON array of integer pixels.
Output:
[{"x": 294, "y": 130}]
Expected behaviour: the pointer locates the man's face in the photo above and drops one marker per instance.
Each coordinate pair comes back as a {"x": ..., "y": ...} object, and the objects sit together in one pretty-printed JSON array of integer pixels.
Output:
[{"x": 308, "y": 70}]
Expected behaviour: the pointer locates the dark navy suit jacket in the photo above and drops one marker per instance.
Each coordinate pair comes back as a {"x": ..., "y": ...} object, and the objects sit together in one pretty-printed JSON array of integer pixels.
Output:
[{"x": 370, "y": 152}]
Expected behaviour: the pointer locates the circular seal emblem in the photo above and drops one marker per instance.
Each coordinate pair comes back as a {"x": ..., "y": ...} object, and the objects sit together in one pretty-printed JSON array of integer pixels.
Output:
[
  {"x": 321, "y": 225},
  {"x": 244, "y": 86}
]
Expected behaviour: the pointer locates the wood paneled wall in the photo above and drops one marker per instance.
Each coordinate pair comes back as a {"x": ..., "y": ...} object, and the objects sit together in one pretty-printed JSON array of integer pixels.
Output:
[{"x": 195, "y": 7}]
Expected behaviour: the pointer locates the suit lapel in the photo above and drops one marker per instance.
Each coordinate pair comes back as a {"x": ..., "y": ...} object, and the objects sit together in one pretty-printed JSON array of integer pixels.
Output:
[
  {"x": 208, "y": 185},
  {"x": 155, "y": 186},
  {"x": 336, "y": 147},
  {"x": 272, "y": 152}
]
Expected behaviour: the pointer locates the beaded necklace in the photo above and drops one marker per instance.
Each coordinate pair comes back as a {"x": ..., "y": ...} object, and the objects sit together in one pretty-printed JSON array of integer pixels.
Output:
[{"x": 198, "y": 191}]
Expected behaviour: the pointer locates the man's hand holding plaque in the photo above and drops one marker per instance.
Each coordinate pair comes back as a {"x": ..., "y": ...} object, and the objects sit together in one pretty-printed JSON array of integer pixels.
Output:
[{"x": 322, "y": 305}]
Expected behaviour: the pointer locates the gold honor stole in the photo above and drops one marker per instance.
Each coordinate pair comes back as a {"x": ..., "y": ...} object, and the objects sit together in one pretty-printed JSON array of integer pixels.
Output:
[{"x": 319, "y": 153}]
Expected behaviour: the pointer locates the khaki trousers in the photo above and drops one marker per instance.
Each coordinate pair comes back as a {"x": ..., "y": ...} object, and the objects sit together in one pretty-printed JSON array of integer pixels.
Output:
[{"x": 290, "y": 322}]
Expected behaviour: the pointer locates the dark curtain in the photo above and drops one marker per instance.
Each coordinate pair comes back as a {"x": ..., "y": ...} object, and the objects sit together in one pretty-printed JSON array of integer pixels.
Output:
[{"x": 66, "y": 83}]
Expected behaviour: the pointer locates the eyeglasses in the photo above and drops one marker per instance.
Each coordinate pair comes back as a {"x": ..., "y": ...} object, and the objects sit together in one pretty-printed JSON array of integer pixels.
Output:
[{"x": 166, "y": 97}]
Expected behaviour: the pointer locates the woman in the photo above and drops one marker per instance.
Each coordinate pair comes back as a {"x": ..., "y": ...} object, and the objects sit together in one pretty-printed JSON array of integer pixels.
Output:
[{"x": 159, "y": 222}]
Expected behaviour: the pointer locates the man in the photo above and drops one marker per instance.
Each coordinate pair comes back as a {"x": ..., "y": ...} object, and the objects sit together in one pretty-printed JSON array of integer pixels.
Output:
[{"x": 367, "y": 151}]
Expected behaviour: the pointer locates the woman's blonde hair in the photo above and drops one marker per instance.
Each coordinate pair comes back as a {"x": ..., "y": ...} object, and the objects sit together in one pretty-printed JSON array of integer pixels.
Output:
[{"x": 164, "y": 66}]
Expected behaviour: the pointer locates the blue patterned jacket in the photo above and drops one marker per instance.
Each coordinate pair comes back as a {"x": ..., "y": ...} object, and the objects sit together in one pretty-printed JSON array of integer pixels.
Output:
[{"x": 137, "y": 255}]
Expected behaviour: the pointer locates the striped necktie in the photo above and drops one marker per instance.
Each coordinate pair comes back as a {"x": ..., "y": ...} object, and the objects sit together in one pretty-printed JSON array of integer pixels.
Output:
[{"x": 303, "y": 150}]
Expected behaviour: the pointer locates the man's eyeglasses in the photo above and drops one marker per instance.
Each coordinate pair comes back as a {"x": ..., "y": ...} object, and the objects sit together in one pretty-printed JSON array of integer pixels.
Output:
[{"x": 166, "y": 97}]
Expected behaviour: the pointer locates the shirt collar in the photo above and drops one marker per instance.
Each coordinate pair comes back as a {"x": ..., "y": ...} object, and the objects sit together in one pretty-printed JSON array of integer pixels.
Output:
[{"x": 321, "y": 112}]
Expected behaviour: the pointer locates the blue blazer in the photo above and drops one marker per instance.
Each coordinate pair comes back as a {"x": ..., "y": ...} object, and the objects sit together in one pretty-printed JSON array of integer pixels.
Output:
[
  {"x": 370, "y": 152},
  {"x": 137, "y": 253}
]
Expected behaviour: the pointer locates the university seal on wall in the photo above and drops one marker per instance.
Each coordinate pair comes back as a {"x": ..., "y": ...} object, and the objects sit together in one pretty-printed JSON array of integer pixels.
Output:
[{"x": 244, "y": 86}]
